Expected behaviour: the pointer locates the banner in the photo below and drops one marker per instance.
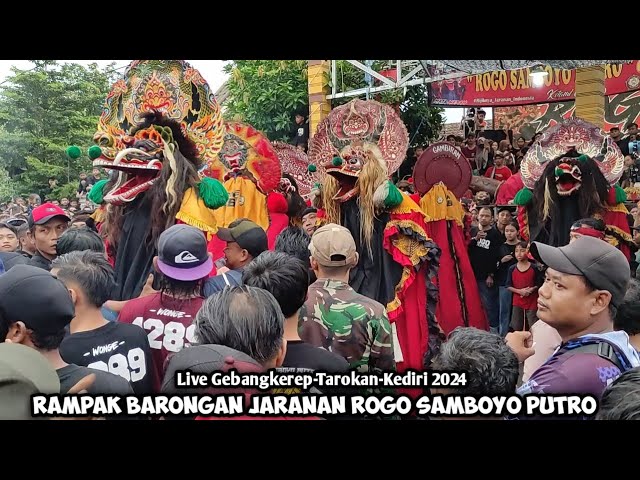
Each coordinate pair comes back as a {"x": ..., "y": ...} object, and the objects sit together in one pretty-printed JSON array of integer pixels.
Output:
[
  {"x": 526, "y": 120},
  {"x": 514, "y": 87}
]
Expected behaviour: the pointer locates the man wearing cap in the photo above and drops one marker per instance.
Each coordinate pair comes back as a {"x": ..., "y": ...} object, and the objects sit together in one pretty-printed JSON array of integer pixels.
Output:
[
  {"x": 245, "y": 241},
  {"x": 35, "y": 309},
  {"x": 335, "y": 316},
  {"x": 182, "y": 264},
  {"x": 94, "y": 342},
  {"x": 585, "y": 283},
  {"x": 46, "y": 222}
]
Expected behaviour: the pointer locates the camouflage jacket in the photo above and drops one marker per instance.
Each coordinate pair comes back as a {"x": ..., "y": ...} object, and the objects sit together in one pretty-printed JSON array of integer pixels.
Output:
[{"x": 339, "y": 319}]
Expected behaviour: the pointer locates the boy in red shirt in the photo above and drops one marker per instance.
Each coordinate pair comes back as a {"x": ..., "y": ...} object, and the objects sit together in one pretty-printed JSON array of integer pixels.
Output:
[
  {"x": 523, "y": 280},
  {"x": 498, "y": 171}
]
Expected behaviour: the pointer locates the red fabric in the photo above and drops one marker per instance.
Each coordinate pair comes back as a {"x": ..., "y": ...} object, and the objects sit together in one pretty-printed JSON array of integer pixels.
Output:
[
  {"x": 524, "y": 280},
  {"x": 167, "y": 321},
  {"x": 619, "y": 219},
  {"x": 508, "y": 189},
  {"x": 279, "y": 220},
  {"x": 415, "y": 197},
  {"x": 589, "y": 232},
  {"x": 450, "y": 305},
  {"x": 502, "y": 173}
]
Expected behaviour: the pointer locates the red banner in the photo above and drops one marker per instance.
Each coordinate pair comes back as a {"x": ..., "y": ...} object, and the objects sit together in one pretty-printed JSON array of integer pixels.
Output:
[{"x": 514, "y": 87}]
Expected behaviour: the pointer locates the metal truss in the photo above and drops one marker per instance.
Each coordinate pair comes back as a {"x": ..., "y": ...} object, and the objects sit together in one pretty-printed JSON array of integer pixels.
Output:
[{"x": 408, "y": 73}]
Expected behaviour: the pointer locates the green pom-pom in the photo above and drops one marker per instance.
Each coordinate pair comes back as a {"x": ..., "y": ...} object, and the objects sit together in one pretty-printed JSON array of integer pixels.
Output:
[
  {"x": 621, "y": 195},
  {"x": 394, "y": 196},
  {"x": 96, "y": 195},
  {"x": 213, "y": 193},
  {"x": 337, "y": 161},
  {"x": 523, "y": 197},
  {"x": 583, "y": 158},
  {"x": 559, "y": 172},
  {"x": 74, "y": 152},
  {"x": 94, "y": 152},
  {"x": 312, "y": 168}
]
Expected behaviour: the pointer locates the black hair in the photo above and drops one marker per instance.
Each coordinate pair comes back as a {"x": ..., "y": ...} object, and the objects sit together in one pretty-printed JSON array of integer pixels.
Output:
[
  {"x": 90, "y": 271},
  {"x": 491, "y": 366},
  {"x": 284, "y": 276},
  {"x": 79, "y": 239},
  {"x": 628, "y": 317},
  {"x": 513, "y": 224},
  {"x": 522, "y": 244},
  {"x": 295, "y": 242},
  {"x": 594, "y": 223},
  {"x": 486, "y": 208},
  {"x": 621, "y": 399},
  {"x": 9, "y": 227},
  {"x": 48, "y": 341}
]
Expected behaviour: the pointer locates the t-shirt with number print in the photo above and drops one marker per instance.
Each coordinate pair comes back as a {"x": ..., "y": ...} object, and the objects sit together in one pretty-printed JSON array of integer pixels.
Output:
[
  {"x": 168, "y": 322},
  {"x": 115, "y": 348}
]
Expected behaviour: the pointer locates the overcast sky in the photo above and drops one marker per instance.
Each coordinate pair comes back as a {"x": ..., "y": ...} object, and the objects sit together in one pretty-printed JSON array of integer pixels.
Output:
[{"x": 211, "y": 70}]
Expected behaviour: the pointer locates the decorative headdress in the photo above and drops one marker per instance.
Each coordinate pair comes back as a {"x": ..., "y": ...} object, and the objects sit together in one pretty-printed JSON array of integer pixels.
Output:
[
  {"x": 354, "y": 133},
  {"x": 246, "y": 152},
  {"x": 177, "y": 95},
  {"x": 296, "y": 163},
  {"x": 575, "y": 133}
]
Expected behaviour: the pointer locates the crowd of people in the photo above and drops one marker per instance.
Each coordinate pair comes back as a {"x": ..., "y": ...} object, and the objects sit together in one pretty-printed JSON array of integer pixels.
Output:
[{"x": 561, "y": 319}]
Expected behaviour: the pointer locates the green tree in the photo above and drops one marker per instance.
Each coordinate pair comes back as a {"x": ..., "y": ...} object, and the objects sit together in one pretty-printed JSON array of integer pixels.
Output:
[
  {"x": 266, "y": 94},
  {"x": 43, "y": 110},
  {"x": 6, "y": 187}
]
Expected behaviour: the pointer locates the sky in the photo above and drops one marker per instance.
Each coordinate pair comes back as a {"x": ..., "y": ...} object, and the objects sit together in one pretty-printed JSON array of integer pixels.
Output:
[{"x": 211, "y": 70}]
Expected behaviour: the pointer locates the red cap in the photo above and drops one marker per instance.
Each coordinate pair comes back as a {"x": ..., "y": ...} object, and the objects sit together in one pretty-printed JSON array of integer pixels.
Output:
[{"x": 45, "y": 212}]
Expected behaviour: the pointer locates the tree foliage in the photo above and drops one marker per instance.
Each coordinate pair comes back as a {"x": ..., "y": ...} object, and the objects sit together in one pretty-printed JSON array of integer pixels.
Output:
[
  {"x": 266, "y": 94},
  {"x": 43, "y": 110}
]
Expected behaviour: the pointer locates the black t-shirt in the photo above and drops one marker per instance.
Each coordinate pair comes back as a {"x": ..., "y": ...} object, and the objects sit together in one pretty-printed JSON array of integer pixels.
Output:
[
  {"x": 119, "y": 348},
  {"x": 483, "y": 254},
  {"x": 303, "y": 355},
  {"x": 503, "y": 268},
  {"x": 105, "y": 383}
]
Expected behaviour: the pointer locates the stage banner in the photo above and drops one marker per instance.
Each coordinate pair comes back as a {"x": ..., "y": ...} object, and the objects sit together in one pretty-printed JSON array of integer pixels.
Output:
[{"x": 514, "y": 87}]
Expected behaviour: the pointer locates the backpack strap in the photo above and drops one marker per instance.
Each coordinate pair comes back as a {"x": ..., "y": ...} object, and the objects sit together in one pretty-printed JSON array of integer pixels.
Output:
[
  {"x": 226, "y": 280},
  {"x": 602, "y": 349}
]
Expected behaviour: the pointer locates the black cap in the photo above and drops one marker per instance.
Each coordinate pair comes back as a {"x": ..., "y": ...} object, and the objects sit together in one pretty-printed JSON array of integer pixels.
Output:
[
  {"x": 602, "y": 264},
  {"x": 36, "y": 298},
  {"x": 309, "y": 210},
  {"x": 249, "y": 235},
  {"x": 182, "y": 253}
]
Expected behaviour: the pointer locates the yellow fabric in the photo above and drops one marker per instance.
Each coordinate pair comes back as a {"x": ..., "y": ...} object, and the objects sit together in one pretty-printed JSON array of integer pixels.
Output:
[
  {"x": 194, "y": 212},
  {"x": 440, "y": 204},
  {"x": 99, "y": 215},
  {"x": 617, "y": 208},
  {"x": 245, "y": 201},
  {"x": 406, "y": 206}
]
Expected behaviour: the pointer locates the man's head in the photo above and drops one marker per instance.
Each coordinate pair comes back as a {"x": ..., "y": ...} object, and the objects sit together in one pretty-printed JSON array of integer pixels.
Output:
[
  {"x": 245, "y": 241},
  {"x": 96, "y": 173},
  {"x": 591, "y": 227},
  {"x": 247, "y": 319},
  {"x": 585, "y": 283},
  {"x": 284, "y": 276},
  {"x": 88, "y": 276},
  {"x": 64, "y": 202},
  {"x": 299, "y": 118},
  {"x": 451, "y": 139},
  {"x": 614, "y": 133},
  {"x": 333, "y": 252},
  {"x": 79, "y": 239},
  {"x": 504, "y": 216},
  {"x": 47, "y": 223},
  {"x": 53, "y": 182},
  {"x": 632, "y": 129},
  {"x": 8, "y": 238},
  {"x": 520, "y": 142},
  {"x": 419, "y": 151},
  {"x": 34, "y": 200},
  {"x": 294, "y": 241},
  {"x": 491, "y": 366},
  {"x": 309, "y": 217},
  {"x": 485, "y": 216},
  {"x": 35, "y": 308},
  {"x": 471, "y": 140},
  {"x": 621, "y": 399},
  {"x": 183, "y": 259},
  {"x": 498, "y": 159},
  {"x": 27, "y": 242}
]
